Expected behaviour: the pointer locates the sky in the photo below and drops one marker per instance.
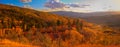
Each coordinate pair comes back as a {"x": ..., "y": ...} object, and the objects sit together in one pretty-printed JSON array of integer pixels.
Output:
[{"x": 69, "y": 5}]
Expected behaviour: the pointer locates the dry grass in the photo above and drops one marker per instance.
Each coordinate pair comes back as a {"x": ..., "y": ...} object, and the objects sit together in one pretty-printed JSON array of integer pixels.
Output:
[{"x": 8, "y": 43}]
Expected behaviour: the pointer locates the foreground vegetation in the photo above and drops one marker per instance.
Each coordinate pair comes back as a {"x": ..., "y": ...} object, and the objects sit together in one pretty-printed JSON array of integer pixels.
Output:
[{"x": 43, "y": 29}]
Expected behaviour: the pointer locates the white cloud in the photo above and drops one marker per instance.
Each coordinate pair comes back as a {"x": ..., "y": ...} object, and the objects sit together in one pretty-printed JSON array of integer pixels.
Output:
[
  {"x": 26, "y": 1},
  {"x": 53, "y": 4},
  {"x": 105, "y": 5}
]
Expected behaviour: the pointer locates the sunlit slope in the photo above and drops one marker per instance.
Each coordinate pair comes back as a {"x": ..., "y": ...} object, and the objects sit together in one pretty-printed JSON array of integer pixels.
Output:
[
  {"x": 8, "y": 43},
  {"x": 27, "y": 14}
]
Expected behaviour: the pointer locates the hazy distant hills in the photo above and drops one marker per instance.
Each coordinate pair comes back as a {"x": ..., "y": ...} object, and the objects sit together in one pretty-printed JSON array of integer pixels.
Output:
[
  {"x": 80, "y": 14},
  {"x": 109, "y": 18}
]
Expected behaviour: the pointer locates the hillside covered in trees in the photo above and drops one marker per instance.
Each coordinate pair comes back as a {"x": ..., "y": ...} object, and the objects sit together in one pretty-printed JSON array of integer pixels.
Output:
[{"x": 42, "y": 29}]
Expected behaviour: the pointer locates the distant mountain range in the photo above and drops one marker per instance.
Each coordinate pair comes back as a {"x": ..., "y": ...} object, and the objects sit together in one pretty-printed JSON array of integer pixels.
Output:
[{"x": 106, "y": 18}]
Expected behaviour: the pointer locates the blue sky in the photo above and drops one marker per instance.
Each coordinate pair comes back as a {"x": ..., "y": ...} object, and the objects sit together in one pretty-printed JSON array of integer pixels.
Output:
[
  {"x": 34, "y": 3},
  {"x": 93, "y": 5}
]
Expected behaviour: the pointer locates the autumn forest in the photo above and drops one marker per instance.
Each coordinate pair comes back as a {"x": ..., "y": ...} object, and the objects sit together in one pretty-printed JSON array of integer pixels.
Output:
[{"x": 32, "y": 28}]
